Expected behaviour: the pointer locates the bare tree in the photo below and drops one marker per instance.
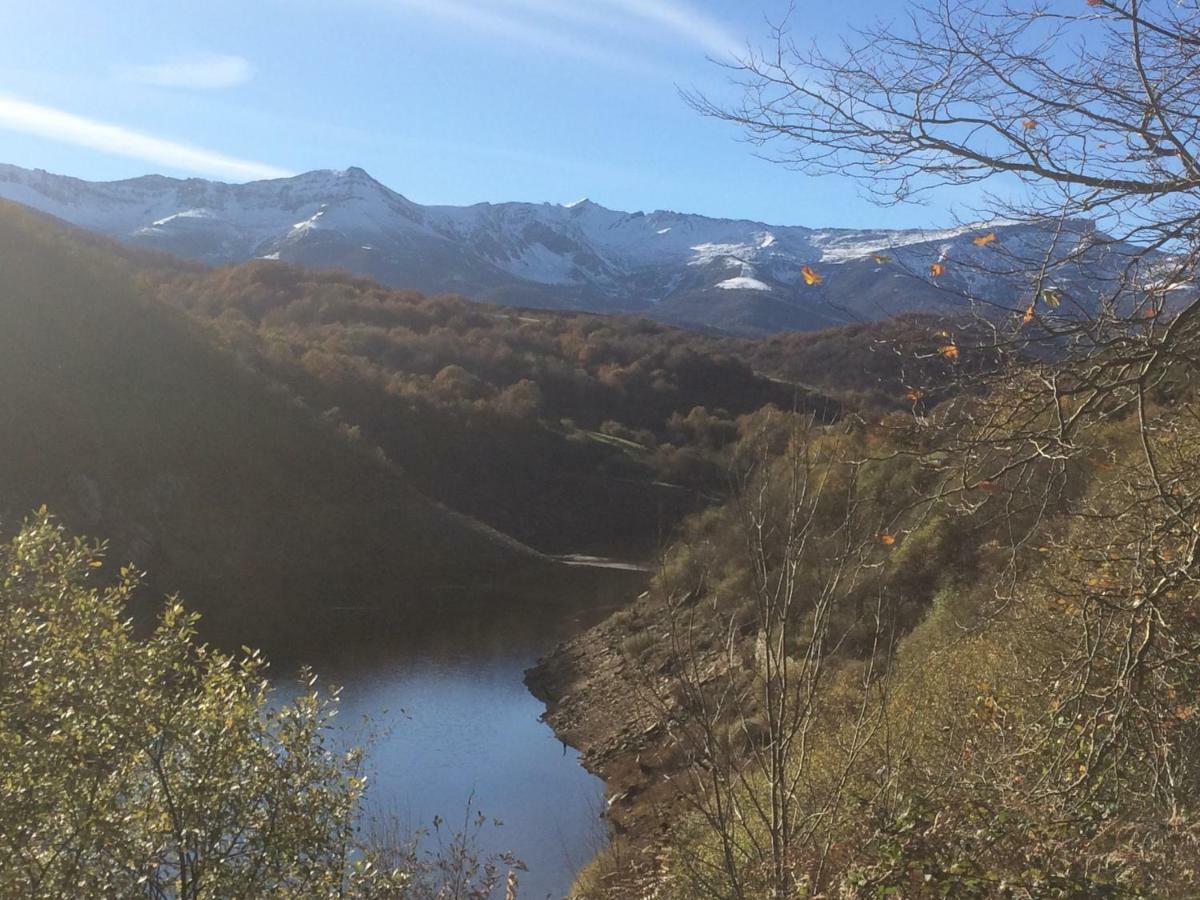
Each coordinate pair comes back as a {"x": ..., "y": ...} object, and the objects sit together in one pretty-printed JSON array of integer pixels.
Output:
[
  {"x": 1068, "y": 110},
  {"x": 751, "y": 671}
]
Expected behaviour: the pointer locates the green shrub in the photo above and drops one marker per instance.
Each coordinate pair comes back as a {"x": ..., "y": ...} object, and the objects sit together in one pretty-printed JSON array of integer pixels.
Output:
[{"x": 157, "y": 766}]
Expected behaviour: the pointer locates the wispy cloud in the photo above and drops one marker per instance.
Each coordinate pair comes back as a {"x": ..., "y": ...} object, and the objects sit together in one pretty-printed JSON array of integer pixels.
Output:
[
  {"x": 496, "y": 19},
  {"x": 208, "y": 72},
  {"x": 57, "y": 125},
  {"x": 681, "y": 19},
  {"x": 599, "y": 31}
]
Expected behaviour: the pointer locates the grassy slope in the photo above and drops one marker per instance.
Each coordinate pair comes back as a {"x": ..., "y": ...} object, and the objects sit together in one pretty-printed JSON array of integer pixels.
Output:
[{"x": 117, "y": 414}]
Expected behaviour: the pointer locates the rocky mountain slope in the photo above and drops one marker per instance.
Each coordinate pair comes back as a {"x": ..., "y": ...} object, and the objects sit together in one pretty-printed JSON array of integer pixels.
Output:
[{"x": 732, "y": 275}]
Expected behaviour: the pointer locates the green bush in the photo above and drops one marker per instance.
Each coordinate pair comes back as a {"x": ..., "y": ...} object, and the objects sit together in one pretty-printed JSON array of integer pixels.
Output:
[{"x": 157, "y": 766}]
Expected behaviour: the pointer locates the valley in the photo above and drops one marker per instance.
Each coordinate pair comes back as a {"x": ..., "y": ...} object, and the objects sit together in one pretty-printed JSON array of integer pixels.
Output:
[
  {"x": 414, "y": 496},
  {"x": 812, "y": 513}
]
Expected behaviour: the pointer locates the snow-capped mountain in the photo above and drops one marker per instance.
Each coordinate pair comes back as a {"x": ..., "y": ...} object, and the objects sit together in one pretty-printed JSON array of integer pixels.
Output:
[{"x": 735, "y": 275}]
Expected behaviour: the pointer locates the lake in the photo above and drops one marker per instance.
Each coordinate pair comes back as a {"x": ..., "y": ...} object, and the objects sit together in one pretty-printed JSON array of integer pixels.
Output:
[{"x": 452, "y": 722}]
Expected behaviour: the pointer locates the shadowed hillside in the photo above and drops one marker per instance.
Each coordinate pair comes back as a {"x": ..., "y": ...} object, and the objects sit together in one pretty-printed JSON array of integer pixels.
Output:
[{"x": 124, "y": 420}]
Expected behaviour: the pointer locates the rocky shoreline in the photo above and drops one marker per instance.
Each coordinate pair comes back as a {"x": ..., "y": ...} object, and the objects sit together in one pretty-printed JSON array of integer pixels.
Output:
[{"x": 601, "y": 703}]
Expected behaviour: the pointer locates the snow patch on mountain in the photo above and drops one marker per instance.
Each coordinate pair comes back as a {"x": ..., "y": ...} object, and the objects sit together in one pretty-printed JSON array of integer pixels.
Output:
[
  {"x": 742, "y": 283},
  {"x": 311, "y": 222},
  {"x": 186, "y": 214}
]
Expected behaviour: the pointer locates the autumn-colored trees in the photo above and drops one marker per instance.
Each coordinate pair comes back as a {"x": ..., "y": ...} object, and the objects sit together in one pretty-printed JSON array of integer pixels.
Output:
[{"x": 497, "y": 412}]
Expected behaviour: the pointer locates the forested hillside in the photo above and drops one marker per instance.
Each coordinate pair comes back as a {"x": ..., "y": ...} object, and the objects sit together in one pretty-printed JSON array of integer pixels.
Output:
[
  {"x": 573, "y": 432},
  {"x": 265, "y": 437},
  {"x": 915, "y": 649},
  {"x": 948, "y": 646},
  {"x": 123, "y": 418}
]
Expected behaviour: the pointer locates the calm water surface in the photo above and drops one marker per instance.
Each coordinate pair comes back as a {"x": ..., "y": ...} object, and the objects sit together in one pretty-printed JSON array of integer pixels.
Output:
[{"x": 453, "y": 723}]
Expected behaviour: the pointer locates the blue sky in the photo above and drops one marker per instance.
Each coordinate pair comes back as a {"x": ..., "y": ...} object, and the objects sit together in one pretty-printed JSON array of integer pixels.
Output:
[{"x": 446, "y": 101}]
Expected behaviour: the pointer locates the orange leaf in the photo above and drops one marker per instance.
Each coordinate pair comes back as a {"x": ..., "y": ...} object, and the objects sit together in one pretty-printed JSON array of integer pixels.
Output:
[
  {"x": 887, "y": 539},
  {"x": 915, "y": 395},
  {"x": 1028, "y": 317},
  {"x": 881, "y": 258},
  {"x": 949, "y": 351},
  {"x": 811, "y": 277},
  {"x": 937, "y": 270},
  {"x": 984, "y": 239},
  {"x": 1029, "y": 124}
]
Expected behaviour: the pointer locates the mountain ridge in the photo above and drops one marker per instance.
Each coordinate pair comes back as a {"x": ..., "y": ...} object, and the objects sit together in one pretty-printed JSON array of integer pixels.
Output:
[{"x": 733, "y": 275}]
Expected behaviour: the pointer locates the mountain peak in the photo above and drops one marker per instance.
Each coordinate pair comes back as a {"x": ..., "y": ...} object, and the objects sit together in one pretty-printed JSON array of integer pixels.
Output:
[
  {"x": 350, "y": 175},
  {"x": 356, "y": 173},
  {"x": 353, "y": 181}
]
